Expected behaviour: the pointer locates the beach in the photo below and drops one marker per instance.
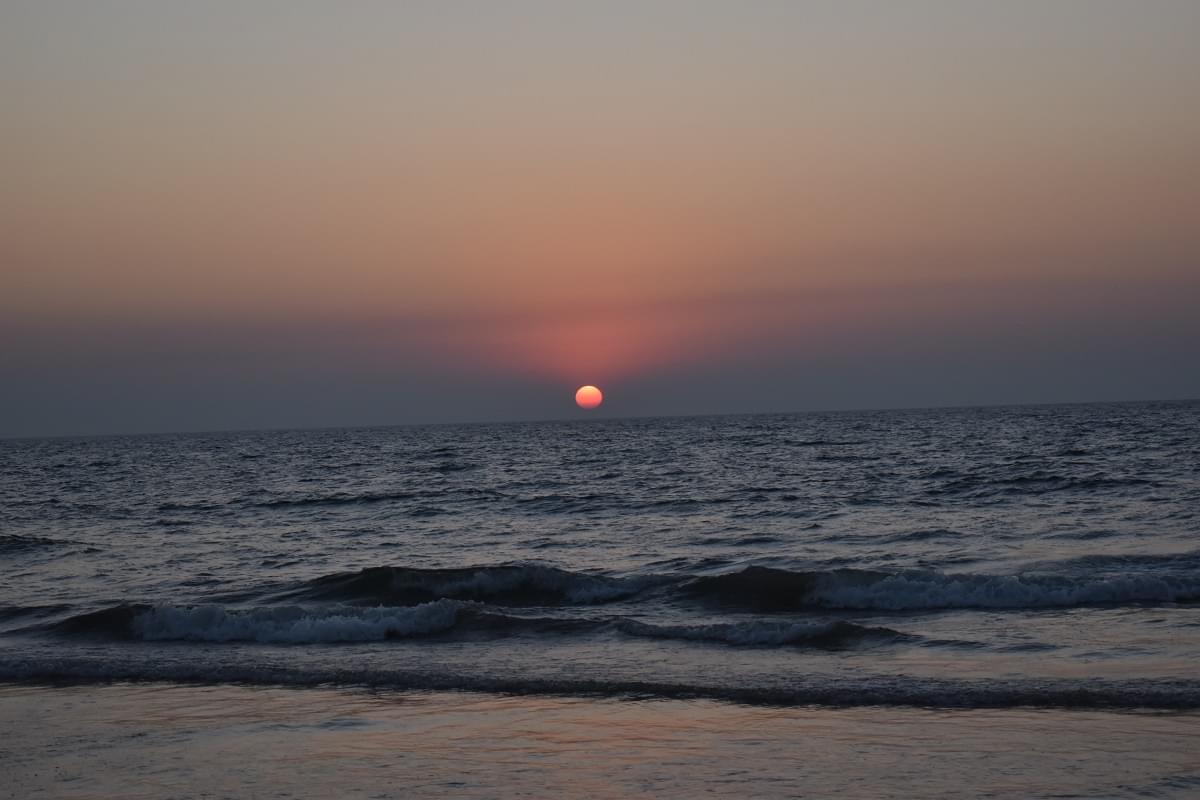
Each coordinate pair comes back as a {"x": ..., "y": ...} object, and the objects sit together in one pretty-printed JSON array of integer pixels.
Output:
[
  {"x": 935, "y": 603},
  {"x": 162, "y": 740}
]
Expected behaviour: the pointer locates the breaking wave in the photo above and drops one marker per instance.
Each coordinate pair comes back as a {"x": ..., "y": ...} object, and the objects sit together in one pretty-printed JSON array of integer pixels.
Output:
[
  {"x": 308, "y": 625},
  {"x": 277, "y": 625},
  {"x": 1079, "y": 582},
  {"x": 764, "y": 633},
  {"x": 769, "y": 589},
  {"x": 1176, "y": 695}
]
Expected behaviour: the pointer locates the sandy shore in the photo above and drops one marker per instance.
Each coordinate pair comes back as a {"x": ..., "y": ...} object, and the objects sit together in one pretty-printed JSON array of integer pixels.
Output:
[{"x": 170, "y": 741}]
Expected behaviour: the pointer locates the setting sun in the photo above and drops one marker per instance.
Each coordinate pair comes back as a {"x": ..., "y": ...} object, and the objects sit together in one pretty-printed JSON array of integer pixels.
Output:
[{"x": 588, "y": 397}]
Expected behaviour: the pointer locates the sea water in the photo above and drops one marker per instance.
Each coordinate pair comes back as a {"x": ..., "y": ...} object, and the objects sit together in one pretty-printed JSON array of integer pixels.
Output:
[{"x": 957, "y": 577}]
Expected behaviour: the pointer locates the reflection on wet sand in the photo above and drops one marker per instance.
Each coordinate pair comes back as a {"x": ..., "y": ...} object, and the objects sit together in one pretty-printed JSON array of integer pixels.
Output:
[{"x": 151, "y": 741}]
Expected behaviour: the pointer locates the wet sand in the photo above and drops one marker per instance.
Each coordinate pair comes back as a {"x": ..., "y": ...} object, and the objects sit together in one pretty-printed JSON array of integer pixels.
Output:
[{"x": 178, "y": 741}]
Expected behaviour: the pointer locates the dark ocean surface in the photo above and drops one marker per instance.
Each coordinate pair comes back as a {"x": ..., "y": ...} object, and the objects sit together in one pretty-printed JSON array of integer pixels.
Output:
[
  {"x": 979, "y": 557},
  {"x": 1045, "y": 558}
]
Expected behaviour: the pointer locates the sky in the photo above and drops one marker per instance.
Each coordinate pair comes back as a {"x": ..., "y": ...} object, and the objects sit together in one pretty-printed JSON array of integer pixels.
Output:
[{"x": 229, "y": 215}]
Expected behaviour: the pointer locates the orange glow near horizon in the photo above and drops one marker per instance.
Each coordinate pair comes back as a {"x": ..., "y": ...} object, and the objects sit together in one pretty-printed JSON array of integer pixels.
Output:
[
  {"x": 474, "y": 196},
  {"x": 588, "y": 397}
]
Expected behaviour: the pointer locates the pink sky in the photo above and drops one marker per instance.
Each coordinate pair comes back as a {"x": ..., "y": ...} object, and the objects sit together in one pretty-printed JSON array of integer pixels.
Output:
[{"x": 547, "y": 196}]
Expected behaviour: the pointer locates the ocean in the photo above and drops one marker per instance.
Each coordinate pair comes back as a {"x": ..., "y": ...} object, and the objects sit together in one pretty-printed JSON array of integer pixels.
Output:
[{"x": 999, "y": 602}]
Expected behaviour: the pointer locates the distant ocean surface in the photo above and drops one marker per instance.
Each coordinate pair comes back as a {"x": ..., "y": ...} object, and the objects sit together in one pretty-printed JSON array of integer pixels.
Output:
[{"x": 952, "y": 562}]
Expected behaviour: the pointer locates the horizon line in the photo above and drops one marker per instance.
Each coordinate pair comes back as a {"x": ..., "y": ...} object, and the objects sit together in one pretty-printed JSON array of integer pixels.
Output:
[{"x": 588, "y": 419}]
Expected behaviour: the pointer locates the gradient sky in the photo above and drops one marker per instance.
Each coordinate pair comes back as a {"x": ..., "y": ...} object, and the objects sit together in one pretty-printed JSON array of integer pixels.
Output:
[{"x": 271, "y": 214}]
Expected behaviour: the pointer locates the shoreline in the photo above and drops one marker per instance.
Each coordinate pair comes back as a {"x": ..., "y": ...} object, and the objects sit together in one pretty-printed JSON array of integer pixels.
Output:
[{"x": 157, "y": 740}]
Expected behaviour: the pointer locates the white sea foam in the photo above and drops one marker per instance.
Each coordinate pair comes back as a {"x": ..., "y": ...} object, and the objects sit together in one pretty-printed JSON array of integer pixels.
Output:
[
  {"x": 758, "y": 633},
  {"x": 293, "y": 624}
]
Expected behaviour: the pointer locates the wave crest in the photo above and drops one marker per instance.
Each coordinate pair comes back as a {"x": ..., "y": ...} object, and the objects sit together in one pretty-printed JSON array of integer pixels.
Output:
[
  {"x": 13, "y": 543},
  {"x": 889, "y": 691},
  {"x": 511, "y": 585},
  {"x": 275, "y": 625},
  {"x": 769, "y": 589},
  {"x": 309, "y": 625},
  {"x": 765, "y": 633}
]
